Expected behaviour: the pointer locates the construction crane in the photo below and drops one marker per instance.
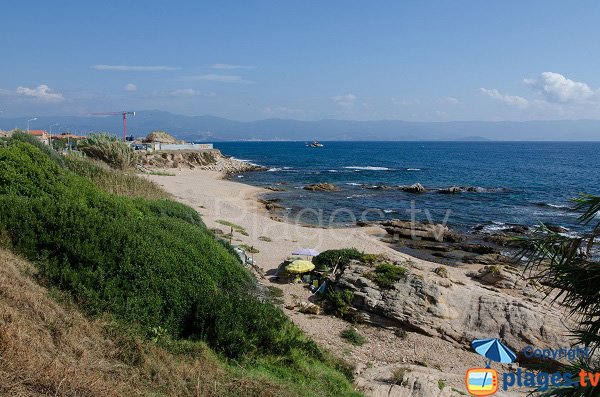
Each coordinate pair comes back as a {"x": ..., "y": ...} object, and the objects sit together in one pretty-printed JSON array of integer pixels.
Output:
[{"x": 124, "y": 114}]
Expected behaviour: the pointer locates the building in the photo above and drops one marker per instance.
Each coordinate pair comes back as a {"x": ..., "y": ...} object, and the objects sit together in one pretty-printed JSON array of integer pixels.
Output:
[{"x": 41, "y": 135}]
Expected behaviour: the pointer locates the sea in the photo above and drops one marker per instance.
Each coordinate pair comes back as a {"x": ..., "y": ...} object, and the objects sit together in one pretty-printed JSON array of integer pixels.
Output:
[{"x": 511, "y": 182}]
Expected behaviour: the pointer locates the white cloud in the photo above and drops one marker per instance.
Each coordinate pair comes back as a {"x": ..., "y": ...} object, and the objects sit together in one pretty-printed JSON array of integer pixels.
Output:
[
  {"x": 221, "y": 78},
  {"x": 130, "y": 87},
  {"x": 448, "y": 101},
  {"x": 512, "y": 100},
  {"x": 347, "y": 100},
  {"x": 4, "y": 92},
  {"x": 129, "y": 68},
  {"x": 555, "y": 87},
  {"x": 185, "y": 92},
  {"x": 41, "y": 92},
  {"x": 226, "y": 66}
]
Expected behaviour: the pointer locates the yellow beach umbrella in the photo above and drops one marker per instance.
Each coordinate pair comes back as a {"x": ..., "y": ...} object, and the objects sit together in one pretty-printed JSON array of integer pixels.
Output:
[{"x": 300, "y": 266}]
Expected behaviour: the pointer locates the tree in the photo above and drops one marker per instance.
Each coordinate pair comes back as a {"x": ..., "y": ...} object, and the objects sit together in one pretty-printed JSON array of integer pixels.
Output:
[{"x": 569, "y": 272}]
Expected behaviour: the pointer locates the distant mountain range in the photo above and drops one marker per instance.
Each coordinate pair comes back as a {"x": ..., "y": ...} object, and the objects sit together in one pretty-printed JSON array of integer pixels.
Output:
[{"x": 211, "y": 128}]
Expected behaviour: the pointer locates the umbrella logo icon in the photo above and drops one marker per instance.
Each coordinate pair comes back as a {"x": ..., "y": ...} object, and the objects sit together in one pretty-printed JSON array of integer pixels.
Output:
[{"x": 484, "y": 381}]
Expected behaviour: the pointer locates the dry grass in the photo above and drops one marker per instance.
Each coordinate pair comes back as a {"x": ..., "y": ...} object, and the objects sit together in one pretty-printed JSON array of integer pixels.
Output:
[
  {"x": 115, "y": 181},
  {"x": 50, "y": 349}
]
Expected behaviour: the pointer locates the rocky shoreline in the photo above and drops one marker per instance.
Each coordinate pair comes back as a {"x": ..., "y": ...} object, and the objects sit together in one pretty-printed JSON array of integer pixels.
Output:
[{"x": 211, "y": 160}]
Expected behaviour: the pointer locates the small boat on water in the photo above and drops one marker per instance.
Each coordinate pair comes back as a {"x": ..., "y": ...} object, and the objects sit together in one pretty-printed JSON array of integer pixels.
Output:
[{"x": 314, "y": 144}]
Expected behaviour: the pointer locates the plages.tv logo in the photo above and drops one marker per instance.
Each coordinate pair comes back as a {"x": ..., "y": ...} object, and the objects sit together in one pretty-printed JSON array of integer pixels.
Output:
[{"x": 484, "y": 381}]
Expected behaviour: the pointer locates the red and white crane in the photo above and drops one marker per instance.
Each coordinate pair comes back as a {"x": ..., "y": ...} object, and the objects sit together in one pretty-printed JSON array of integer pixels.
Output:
[{"x": 124, "y": 114}]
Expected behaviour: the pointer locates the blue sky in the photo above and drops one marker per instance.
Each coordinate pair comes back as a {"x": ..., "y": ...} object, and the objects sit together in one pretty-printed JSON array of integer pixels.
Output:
[{"x": 248, "y": 60}]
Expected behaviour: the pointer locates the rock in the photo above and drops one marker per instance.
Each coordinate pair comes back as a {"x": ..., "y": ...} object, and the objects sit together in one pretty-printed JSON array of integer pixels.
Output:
[
  {"x": 309, "y": 308},
  {"x": 490, "y": 259},
  {"x": 478, "y": 248},
  {"x": 517, "y": 229},
  {"x": 557, "y": 228},
  {"x": 321, "y": 187},
  {"x": 406, "y": 380},
  {"x": 459, "y": 312},
  {"x": 450, "y": 190},
  {"x": 160, "y": 136},
  {"x": 498, "y": 275},
  {"x": 275, "y": 189},
  {"x": 418, "y": 230},
  {"x": 416, "y": 188}
]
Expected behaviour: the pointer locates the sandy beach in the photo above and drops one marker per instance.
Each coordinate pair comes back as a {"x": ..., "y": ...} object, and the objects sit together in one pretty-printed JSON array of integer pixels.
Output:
[{"x": 218, "y": 199}]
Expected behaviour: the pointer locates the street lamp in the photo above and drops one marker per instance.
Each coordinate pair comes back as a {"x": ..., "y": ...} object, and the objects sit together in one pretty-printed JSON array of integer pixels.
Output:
[{"x": 33, "y": 119}]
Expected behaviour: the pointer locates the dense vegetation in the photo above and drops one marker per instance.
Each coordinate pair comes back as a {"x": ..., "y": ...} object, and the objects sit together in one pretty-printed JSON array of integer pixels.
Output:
[
  {"x": 341, "y": 257},
  {"x": 386, "y": 274},
  {"x": 109, "y": 149},
  {"x": 150, "y": 263}
]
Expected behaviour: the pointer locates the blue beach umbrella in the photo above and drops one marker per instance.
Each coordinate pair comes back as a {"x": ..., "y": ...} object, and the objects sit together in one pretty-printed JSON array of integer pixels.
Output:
[{"x": 494, "y": 350}]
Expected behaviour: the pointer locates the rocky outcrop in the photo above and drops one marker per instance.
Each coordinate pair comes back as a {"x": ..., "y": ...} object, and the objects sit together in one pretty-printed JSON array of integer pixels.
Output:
[
  {"x": 416, "y": 188},
  {"x": 409, "y": 381},
  {"x": 455, "y": 311},
  {"x": 501, "y": 276},
  {"x": 321, "y": 187},
  {"x": 450, "y": 190},
  {"x": 201, "y": 159},
  {"x": 376, "y": 187},
  {"x": 418, "y": 230},
  {"x": 160, "y": 136}
]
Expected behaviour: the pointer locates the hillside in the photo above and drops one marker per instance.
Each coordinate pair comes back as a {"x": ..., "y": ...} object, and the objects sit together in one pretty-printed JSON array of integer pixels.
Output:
[
  {"x": 49, "y": 348},
  {"x": 153, "y": 268},
  {"x": 211, "y": 128}
]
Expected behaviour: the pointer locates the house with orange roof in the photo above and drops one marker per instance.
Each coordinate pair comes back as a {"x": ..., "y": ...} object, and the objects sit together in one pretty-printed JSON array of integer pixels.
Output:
[{"x": 42, "y": 135}]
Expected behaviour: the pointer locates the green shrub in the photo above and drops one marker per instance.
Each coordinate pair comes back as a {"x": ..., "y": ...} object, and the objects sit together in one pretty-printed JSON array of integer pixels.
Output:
[
  {"x": 341, "y": 300},
  {"x": 148, "y": 262},
  {"x": 352, "y": 336},
  {"x": 109, "y": 149},
  {"x": 30, "y": 139},
  {"x": 386, "y": 274},
  {"x": 330, "y": 258},
  {"x": 153, "y": 266}
]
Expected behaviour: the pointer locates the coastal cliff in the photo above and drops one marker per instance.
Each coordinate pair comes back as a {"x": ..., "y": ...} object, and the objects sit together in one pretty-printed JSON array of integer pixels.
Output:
[{"x": 212, "y": 160}]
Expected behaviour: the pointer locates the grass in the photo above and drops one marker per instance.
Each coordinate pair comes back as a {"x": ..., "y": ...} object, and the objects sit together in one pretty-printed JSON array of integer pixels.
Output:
[
  {"x": 275, "y": 295},
  {"x": 387, "y": 274},
  {"x": 114, "y": 181},
  {"x": 353, "y": 337},
  {"x": 160, "y": 173},
  {"x": 441, "y": 384},
  {"x": 249, "y": 249},
  {"x": 44, "y": 338},
  {"x": 399, "y": 375},
  {"x": 109, "y": 149},
  {"x": 236, "y": 228},
  {"x": 265, "y": 238},
  {"x": 153, "y": 267}
]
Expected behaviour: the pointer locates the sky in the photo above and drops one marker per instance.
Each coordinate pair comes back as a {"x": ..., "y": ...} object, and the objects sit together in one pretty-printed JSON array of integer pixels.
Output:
[{"x": 306, "y": 60}]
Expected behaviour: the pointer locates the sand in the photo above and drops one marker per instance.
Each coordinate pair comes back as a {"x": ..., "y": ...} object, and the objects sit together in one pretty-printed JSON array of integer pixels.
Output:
[{"x": 218, "y": 199}]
